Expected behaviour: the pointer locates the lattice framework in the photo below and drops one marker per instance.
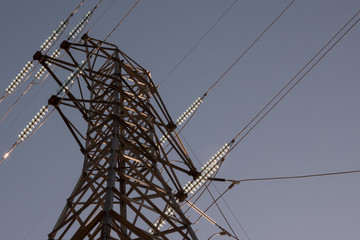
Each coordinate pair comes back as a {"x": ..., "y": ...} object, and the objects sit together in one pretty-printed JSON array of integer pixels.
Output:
[{"x": 128, "y": 185}]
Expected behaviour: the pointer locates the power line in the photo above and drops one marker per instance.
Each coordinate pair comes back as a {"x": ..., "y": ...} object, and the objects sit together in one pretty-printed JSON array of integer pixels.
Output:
[
  {"x": 17, "y": 82},
  {"x": 195, "y": 108},
  {"x": 286, "y": 177},
  {"x": 251, "y": 45},
  {"x": 102, "y": 15},
  {"x": 122, "y": 20},
  {"x": 236, "y": 182},
  {"x": 49, "y": 210},
  {"x": 233, "y": 143},
  {"x": 33, "y": 82},
  {"x": 272, "y": 103},
  {"x": 197, "y": 43},
  {"x": 6, "y": 155},
  {"x": 212, "y": 196}
]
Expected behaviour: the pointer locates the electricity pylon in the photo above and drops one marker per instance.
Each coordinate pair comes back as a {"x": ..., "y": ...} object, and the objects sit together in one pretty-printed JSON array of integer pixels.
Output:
[{"x": 134, "y": 162}]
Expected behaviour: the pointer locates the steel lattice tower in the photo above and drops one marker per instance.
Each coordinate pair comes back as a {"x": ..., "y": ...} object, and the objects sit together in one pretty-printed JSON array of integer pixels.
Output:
[{"x": 130, "y": 185}]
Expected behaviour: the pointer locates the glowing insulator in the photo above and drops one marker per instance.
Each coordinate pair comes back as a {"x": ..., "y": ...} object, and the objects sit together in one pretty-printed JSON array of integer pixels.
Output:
[
  {"x": 55, "y": 54},
  {"x": 189, "y": 111},
  {"x": 79, "y": 27},
  {"x": 70, "y": 78},
  {"x": 207, "y": 170},
  {"x": 49, "y": 41},
  {"x": 28, "y": 129},
  {"x": 185, "y": 116},
  {"x": 13, "y": 85}
]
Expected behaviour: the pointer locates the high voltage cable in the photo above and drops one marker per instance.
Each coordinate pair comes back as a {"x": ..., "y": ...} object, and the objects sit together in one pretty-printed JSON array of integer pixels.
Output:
[
  {"x": 234, "y": 216},
  {"x": 26, "y": 132},
  {"x": 286, "y": 177},
  {"x": 102, "y": 15},
  {"x": 215, "y": 162},
  {"x": 212, "y": 165},
  {"x": 22, "y": 94},
  {"x": 212, "y": 197},
  {"x": 215, "y": 200},
  {"x": 233, "y": 143},
  {"x": 251, "y": 45},
  {"x": 281, "y": 97},
  {"x": 16, "y": 83},
  {"x": 236, "y": 182},
  {"x": 197, "y": 43},
  {"x": 122, "y": 20},
  {"x": 49, "y": 210},
  {"x": 205, "y": 186},
  {"x": 74, "y": 33},
  {"x": 189, "y": 113}
]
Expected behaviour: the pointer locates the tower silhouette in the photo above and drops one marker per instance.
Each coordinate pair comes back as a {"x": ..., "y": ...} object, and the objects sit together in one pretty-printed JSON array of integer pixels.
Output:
[{"x": 135, "y": 165}]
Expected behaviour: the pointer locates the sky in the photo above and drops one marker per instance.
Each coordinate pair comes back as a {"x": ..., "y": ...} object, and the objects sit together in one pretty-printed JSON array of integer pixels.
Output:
[{"x": 314, "y": 129}]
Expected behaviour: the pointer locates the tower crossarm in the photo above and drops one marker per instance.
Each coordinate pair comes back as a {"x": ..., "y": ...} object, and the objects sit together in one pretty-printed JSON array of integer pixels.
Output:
[{"x": 128, "y": 180}]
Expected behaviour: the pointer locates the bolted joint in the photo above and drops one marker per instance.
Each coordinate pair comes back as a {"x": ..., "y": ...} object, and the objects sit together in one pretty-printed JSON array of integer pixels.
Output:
[
  {"x": 85, "y": 36},
  {"x": 171, "y": 126},
  {"x": 181, "y": 196},
  {"x": 38, "y": 56},
  {"x": 54, "y": 100},
  {"x": 65, "y": 45},
  {"x": 196, "y": 175}
]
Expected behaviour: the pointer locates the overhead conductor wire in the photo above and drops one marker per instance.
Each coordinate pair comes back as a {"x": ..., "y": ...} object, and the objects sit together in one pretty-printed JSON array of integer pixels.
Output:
[
  {"x": 216, "y": 162},
  {"x": 236, "y": 182},
  {"x": 62, "y": 195},
  {"x": 197, "y": 43},
  {"x": 71, "y": 35},
  {"x": 215, "y": 200},
  {"x": 289, "y": 86},
  {"x": 286, "y": 177},
  {"x": 30, "y": 133},
  {"x": 189, "y": 113},
  {"x": 46, "y": 46},
  {"x": 234, "y": 142}
]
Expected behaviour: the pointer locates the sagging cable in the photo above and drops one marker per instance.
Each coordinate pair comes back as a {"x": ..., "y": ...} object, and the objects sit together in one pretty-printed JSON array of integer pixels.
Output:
[
  {"x": 192, "y": 186},
  {"x": 32, "y": 125}
]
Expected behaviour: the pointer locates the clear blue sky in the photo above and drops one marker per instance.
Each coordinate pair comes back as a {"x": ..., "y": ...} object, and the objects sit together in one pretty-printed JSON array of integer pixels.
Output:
[{"x": 315, "y": 129}]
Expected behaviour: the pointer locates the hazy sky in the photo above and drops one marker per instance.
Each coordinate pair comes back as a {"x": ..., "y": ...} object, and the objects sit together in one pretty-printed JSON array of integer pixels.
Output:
[{"x": 315, "y": 129}]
